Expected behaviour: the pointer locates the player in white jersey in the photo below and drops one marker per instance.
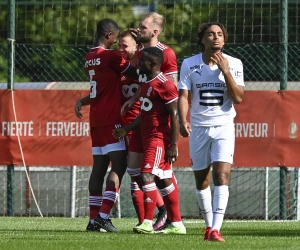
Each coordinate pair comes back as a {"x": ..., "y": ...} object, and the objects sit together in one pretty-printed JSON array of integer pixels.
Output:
[{"x": 214, "y": 81}]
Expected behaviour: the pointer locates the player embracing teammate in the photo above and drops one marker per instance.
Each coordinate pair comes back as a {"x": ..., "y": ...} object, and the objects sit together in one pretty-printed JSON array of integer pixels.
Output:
[{"x": 146, "y": 36}]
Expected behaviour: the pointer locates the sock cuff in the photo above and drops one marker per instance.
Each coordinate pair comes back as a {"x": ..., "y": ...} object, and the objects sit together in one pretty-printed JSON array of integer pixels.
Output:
[{"x": 221, "y": 190}]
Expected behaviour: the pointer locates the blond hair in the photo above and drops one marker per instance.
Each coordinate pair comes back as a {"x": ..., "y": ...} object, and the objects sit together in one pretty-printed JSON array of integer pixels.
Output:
[{"x": 157, "y": 20}]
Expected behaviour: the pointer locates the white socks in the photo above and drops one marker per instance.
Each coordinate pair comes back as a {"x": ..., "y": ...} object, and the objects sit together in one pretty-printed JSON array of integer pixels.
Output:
[
  {"x": 204, "y": 202},
  {"x": 221, "y": 195},
  {"x": 213, "y": 217}
]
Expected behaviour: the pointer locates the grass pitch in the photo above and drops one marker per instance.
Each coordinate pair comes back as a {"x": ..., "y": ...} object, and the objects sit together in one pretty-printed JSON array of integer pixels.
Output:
[{"x": 24, "y": 233}]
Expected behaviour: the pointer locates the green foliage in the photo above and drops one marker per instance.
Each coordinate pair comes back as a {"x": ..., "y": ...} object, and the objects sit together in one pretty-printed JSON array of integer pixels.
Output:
[{"x": 52, "y": 37}]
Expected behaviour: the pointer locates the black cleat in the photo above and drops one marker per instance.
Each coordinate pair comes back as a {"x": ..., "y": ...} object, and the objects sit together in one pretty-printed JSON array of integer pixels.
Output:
[
  {"x": 90, "y": 227},
  {"x": 164, "y": 226},
  {"x": 160, "y": 221},
  {"x": 94, "y": 228},
  {"x": 106, "y": 224}
]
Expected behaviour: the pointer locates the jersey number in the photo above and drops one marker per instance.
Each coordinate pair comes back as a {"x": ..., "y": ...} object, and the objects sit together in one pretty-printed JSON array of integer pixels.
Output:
[
  {"x": 215, "y": 97},
  {"x": 93, "y": 84}
]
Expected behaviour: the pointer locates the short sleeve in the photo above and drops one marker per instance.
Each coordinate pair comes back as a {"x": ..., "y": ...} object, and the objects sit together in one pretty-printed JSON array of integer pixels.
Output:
[
  {"x": 185, "y": 77},
  {"x": 168, "y": 92},
  {"x": 238, "y": 72},
  {"x": 169, "y": 65},
  {"x": 118, "y": 62}
]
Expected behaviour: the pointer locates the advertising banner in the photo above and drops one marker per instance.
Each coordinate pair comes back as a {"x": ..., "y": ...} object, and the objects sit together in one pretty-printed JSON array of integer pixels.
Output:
[{"x": 266, "y": 129}]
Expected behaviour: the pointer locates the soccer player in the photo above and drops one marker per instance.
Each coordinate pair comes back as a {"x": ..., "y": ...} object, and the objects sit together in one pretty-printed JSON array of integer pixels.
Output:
[
  {"x": 159, "y": 126},
  {"x": 104, "y": 67},
  {"x": 128, "y": 48},
  {"x": 150, "y": 26},
  {"x": 215, "y": 81}
]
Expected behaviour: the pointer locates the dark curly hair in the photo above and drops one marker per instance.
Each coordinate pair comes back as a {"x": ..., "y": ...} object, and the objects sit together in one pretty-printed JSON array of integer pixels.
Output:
[
  {"x": 203, "y": 27},
  {"x": 155, "y": 52}
]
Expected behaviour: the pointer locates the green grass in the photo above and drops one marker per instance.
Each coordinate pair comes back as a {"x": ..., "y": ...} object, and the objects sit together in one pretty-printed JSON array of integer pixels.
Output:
[{"x": 22, "y": 233}]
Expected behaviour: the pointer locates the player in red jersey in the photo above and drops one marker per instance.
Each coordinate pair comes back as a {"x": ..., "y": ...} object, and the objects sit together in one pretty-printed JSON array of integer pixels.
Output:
[
  {"x": 104, "y": 67},
  {"x": 147, "y": 34},
  {"x": 129, "y": 48},
  {"x": 160, "y": 128}
]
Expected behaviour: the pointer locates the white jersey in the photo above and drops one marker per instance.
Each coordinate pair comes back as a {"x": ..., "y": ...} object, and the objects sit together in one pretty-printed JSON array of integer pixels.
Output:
[{"x": 210, "y": 104}]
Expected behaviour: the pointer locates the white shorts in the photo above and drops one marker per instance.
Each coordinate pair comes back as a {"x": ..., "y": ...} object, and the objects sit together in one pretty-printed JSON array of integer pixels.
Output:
[
  {"x": 118, "y": 146},
  {"x": 211, "y": 144}
]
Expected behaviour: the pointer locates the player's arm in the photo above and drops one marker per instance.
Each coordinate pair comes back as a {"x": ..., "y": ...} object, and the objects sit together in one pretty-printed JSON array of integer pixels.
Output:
[
  {"x": 172, "y": 151},
  {"x": 236, "y": 92},
  {"x": 183, "y": 108},
  {"x": 122, "y": 132},
  {"x": 174, "y": 78},
  {"x": 131, "y": 72},
  {"x": 81, "y": 102}
]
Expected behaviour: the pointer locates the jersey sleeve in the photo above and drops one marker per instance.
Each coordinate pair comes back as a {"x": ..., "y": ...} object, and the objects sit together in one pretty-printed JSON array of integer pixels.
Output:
[
  {"x": 169, "y": 65},
  {"x": 118, "y": 62},
  {"x": 185, "y": 80},
  {"x": 238, "y": 72},
  {"x": 168, "y": 92}
]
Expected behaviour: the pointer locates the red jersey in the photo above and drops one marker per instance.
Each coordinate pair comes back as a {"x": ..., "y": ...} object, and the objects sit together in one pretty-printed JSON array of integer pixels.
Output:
[
  {"x": 169, "y": 65},
  {"x": 154, "y": 96},
  {"x": 129, "y": 87},
  {"x": 104, "y": 67}
]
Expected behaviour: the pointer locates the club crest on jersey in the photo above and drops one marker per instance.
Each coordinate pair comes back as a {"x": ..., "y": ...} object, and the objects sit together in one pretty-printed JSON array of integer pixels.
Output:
[
  {"x": 149, "y": 91},
  {"x": 293, "y": 129}
]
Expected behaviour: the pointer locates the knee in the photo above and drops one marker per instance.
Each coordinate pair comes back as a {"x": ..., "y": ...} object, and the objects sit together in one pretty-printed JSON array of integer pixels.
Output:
[
  {"x": 133, "y": 172},
  {"x": 221, "y": 178},
  {"x": 146, "y": 177}
]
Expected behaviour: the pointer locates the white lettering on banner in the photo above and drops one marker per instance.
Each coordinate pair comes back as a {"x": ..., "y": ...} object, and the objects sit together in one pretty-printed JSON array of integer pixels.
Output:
[
  {"x": 67, "y": 129},
  {"x": 17, "y": 128},
  {"x": 251, "y": 129}
]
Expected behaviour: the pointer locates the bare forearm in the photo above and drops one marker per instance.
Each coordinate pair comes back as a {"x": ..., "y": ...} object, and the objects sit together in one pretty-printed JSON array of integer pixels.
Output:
[
  {"x": 85, "y": 100},
  {"x": 183, "y": 108},
  {"x": 235, "y": 92},
  {"x": 174, "y": 130}
]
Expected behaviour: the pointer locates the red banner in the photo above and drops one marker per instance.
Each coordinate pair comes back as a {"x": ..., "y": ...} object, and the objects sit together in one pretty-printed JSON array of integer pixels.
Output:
[{"x": 266, "y": 128}]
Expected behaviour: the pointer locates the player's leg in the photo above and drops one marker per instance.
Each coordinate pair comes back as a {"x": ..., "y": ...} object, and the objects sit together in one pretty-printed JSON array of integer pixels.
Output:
[
  {"x": 100, "y": 166},
  {"x": 200, "y": 144},
  {"x": 221, "y": 175},
  {"x": 203, "y": 195},
  {"x": 96, "y": 181},
  {"x": 134, "y": 168},
  {"x": 170, "y": 195},
  {"x": 117, "y": 153},
  {"x": 150, "y": 197},
  {"x": 222, "y": 151}
]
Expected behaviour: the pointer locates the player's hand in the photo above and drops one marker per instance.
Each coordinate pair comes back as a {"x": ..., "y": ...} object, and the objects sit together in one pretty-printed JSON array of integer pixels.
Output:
[
  {"x": 126, "y": 106},
  {"x": 77, "y": 108},
  {"x": 134, "y": 31},
  {"x": 119, "y": 132},
  {"x": 221, "y": 61},
  {"x": 185, "y": 129},
  {"x": 171, "y": 154}
]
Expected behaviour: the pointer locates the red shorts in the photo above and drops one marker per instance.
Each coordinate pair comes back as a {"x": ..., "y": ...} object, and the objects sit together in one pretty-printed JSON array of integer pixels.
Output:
[
  {"x": 103, "y": 142},
  {"x": 135, "y": 141},
  {"x": 154, "y": 160}
]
